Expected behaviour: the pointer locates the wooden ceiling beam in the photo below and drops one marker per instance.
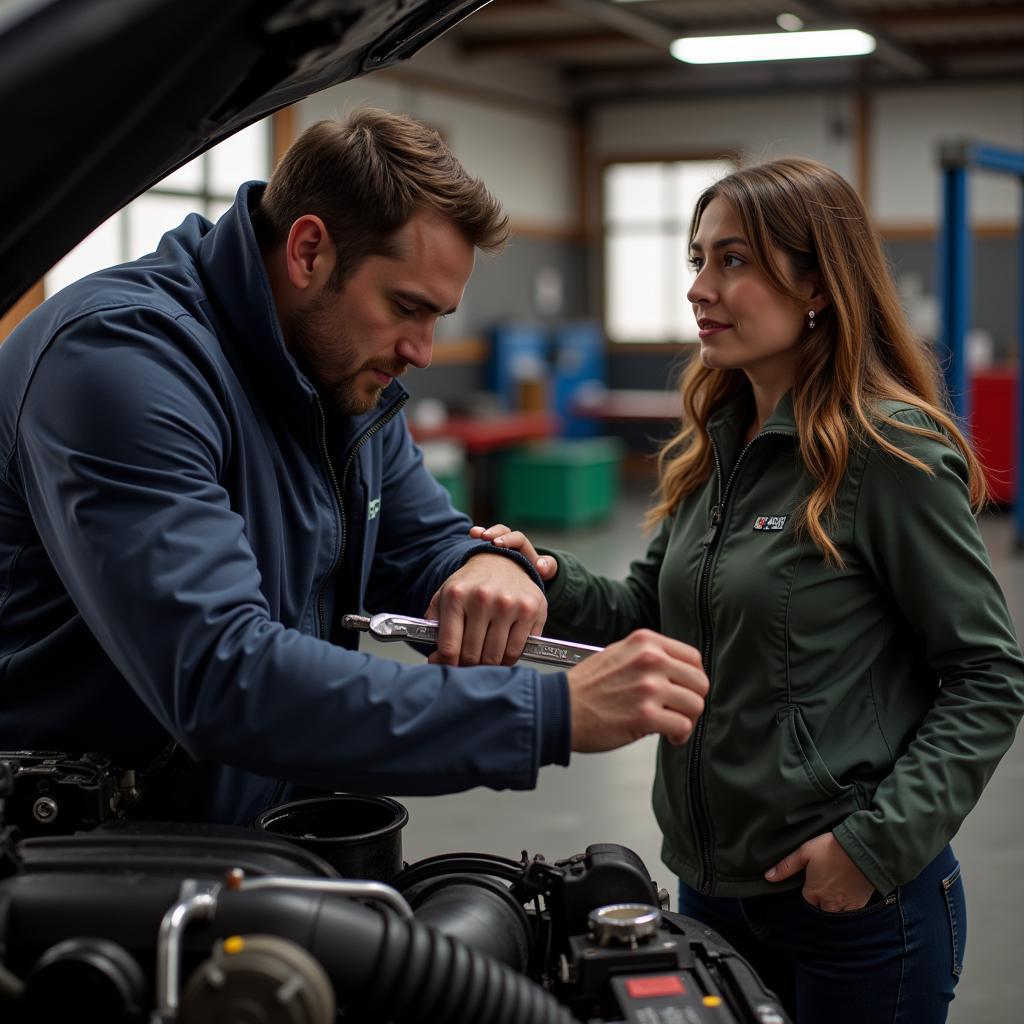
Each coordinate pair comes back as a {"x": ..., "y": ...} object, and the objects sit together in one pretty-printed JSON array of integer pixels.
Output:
[
  {"x": 636, "y": 26},
  {"x": 963, "y": 47},
  {"x": 892, "y": 53},
  {"x": 897, "y": 18},
  {"x": 532, "y": 44}
]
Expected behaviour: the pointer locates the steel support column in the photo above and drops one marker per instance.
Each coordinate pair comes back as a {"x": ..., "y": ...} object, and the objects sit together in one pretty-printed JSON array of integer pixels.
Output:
[
  {"x": 955, "y": 281},
  {"x": 955, "y": 272}
]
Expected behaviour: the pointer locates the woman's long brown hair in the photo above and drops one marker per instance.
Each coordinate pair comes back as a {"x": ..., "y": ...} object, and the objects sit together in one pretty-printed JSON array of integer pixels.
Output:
[{"x": 802, "y": 219}]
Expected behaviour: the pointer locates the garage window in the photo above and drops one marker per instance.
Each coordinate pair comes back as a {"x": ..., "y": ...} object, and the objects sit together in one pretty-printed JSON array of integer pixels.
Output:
[
  {"x": 646, "y": 215},
  {"x": 205, "y": 185}
]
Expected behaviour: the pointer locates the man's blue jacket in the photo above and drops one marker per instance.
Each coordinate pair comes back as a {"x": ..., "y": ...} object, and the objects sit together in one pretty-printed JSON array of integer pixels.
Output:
[{"x": 181, "y": 531}]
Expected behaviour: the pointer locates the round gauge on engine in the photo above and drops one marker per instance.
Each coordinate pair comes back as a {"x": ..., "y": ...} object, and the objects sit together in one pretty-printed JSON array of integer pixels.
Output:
[{"x": 626, "y": 923}]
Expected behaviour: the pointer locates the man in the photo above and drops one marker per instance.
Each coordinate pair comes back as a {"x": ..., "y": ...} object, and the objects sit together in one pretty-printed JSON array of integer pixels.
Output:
[{"x": 206, "y": 465}]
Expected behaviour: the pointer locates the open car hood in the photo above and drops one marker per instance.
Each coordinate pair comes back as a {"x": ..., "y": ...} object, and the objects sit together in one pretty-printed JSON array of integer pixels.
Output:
[{"x": 100, "y": 99}]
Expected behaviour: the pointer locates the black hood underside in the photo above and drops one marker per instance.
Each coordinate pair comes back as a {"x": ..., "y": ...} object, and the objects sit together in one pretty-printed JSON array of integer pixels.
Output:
[{"x": 100, "y": 99}]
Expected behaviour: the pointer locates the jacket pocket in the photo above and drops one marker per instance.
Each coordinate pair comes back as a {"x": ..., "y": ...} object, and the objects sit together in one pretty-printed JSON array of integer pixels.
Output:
[{"x": 807, "y": 757}]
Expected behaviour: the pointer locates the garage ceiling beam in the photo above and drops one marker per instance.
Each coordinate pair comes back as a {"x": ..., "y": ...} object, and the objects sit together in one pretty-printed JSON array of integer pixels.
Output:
[
  {"x": 546, "y": 42},
  {"x": 887, "y": 51},
  {"x": 636, "y": 26},
  {"x": 897, "y": 17}
]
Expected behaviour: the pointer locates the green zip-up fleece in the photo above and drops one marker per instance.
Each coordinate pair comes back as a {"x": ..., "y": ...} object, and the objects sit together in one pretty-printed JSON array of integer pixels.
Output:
[{"x": 872, "y": 700}]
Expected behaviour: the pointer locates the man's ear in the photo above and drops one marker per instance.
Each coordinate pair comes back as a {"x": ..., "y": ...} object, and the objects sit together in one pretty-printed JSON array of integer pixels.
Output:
[{"x": 309, "y": 253}]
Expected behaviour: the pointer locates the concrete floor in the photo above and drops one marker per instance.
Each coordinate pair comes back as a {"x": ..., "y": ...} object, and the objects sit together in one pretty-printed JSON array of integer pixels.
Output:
[{"x": 605, "y": 798}]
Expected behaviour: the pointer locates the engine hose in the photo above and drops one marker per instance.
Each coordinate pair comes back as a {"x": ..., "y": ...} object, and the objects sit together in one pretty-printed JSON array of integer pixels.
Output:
[
  {"x": 480, "y": 912},
  {"x": 457, "y": 863},
  {"x": 421, "y": 975}
]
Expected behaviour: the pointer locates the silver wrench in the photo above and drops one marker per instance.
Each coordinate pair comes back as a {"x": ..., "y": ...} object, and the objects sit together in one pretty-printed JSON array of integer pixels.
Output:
[{"x": 386, "y": 626}]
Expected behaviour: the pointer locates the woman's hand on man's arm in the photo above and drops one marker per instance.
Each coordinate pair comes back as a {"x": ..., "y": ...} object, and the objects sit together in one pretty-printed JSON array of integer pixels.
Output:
[{"x": 503, "y": 536}]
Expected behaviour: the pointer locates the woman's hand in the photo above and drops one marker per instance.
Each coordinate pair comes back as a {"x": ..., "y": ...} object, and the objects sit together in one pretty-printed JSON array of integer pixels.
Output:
[
  {"x": 503, "y": 536},
  {"x": 832, "y": 882}
]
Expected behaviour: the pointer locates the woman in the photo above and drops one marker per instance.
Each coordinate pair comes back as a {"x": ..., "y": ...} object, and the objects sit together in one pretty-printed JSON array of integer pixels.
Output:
[{"x": 816, "y": 542}]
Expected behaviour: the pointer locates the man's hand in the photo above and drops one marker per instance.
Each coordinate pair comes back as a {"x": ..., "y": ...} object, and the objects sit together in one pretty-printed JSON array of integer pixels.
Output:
[
  {"x": 645, "y": 683},
  {"x": 505, "y": 537},
  {"x": 486, "y": 610},
  {"x": 832, "y": 882}
]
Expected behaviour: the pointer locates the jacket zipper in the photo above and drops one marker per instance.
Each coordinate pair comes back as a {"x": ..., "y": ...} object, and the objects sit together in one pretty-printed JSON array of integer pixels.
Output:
[
  {"x": 700, "y": 812},
  {"x": 339, "y": 487},
  {"x": 325, "y": 452}
]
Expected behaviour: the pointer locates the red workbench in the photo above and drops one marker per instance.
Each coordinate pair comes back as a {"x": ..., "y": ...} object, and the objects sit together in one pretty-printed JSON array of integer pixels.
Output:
[
  {"x": 629, "y": 404},
  {"x": 483, "y": 436}
]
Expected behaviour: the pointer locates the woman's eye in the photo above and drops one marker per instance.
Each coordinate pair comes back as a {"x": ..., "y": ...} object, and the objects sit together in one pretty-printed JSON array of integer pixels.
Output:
[
  {"x": 404, "y": 310},
  {"x": 695, "y": 263},
  {"x": 731, "y": 260}
]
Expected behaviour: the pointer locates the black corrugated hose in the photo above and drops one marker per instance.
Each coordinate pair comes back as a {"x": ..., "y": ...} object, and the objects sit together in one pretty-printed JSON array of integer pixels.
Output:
[
  {"x": 425, "y": 976},
  {"x": 399, "y": 970}
]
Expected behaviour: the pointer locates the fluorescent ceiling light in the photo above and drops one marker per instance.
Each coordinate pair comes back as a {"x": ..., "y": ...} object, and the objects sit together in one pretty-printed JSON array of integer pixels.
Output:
[{"x": 840, "y": 42}]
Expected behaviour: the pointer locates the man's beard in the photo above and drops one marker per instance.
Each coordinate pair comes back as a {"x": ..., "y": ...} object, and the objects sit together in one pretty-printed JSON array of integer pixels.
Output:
[{"x": 333, "y": 359}]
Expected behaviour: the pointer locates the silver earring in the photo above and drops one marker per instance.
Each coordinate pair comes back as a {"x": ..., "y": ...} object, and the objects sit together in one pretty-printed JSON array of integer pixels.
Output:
[{"x": 810, "y": 319}]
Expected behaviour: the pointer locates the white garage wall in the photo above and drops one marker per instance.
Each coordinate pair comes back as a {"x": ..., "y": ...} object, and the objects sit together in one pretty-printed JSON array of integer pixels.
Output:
[
  {"x": 905, "y": 128},
  {"x": 500, "y": 120},
  {"x": 509, "y": 124},
  {"x": 821, "y": 127},
  {"x": 909, "y": 125}
]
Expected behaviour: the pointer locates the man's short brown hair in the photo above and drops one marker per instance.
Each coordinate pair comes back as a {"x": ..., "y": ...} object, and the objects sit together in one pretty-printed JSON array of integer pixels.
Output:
[{"x": 365, "y": 178}]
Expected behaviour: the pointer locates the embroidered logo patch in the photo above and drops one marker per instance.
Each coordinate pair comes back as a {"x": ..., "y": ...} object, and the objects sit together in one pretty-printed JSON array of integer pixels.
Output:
[
  {"x": 770, "y": 522},
  {"x": 373, "y": 508}
]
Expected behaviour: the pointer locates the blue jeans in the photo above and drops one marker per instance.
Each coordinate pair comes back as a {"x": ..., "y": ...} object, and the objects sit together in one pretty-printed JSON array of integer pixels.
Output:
[{"x": 895, "y": 961}]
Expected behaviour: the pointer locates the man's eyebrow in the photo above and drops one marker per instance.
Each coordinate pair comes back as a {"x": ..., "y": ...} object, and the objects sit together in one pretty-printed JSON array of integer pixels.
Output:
[
  {"x": 417, "y": 299},
  {"x": 721, "y": 243}
]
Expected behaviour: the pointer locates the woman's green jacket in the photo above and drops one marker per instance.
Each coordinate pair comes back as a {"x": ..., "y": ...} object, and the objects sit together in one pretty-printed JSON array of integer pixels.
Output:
[{"x": 872, "y": 699}]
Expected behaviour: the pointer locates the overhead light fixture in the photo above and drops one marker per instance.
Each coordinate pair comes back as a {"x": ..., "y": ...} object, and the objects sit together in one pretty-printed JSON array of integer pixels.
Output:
[{"x": 839, "y": 42}]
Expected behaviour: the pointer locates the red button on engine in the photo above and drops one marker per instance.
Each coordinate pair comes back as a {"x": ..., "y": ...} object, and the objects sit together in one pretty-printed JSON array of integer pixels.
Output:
[{"x": 654, "y": 985}]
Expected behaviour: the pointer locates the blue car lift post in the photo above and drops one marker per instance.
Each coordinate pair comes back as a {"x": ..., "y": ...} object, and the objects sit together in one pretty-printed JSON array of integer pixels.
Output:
[{"x": 955, "y": 280}]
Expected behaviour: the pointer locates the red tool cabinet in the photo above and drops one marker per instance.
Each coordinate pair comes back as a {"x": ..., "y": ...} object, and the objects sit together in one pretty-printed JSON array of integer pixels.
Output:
[{"x": 993, "y": 421}]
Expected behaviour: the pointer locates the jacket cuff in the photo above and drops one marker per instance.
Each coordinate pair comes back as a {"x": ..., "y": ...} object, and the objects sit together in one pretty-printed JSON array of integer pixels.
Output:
[
  {"x": 869, "y": 865},
  {"x": 486, "y": 548},
  {"x": 554, "y": 719},
  {"x": 557, "y": 588}
]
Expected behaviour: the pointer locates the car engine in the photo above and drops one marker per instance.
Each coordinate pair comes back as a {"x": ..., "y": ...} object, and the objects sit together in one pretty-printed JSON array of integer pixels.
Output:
[{"x": 116, "y": 920}]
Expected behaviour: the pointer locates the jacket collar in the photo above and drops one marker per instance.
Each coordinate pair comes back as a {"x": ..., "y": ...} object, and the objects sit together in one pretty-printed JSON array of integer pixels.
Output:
[
  {"x": 735, "y": 414},
  {"x": 727, "y": 425},
  {"x": 782, "y": 419},
  {"x": 236, "y": 280}
]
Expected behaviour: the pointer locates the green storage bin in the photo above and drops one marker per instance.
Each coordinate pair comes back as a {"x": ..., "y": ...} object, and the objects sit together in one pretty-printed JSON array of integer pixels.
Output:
[
  {"x": 561, "y": 483},
  {"x": 456, "y": 483},
  {"x": 446, "y": 462}
]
